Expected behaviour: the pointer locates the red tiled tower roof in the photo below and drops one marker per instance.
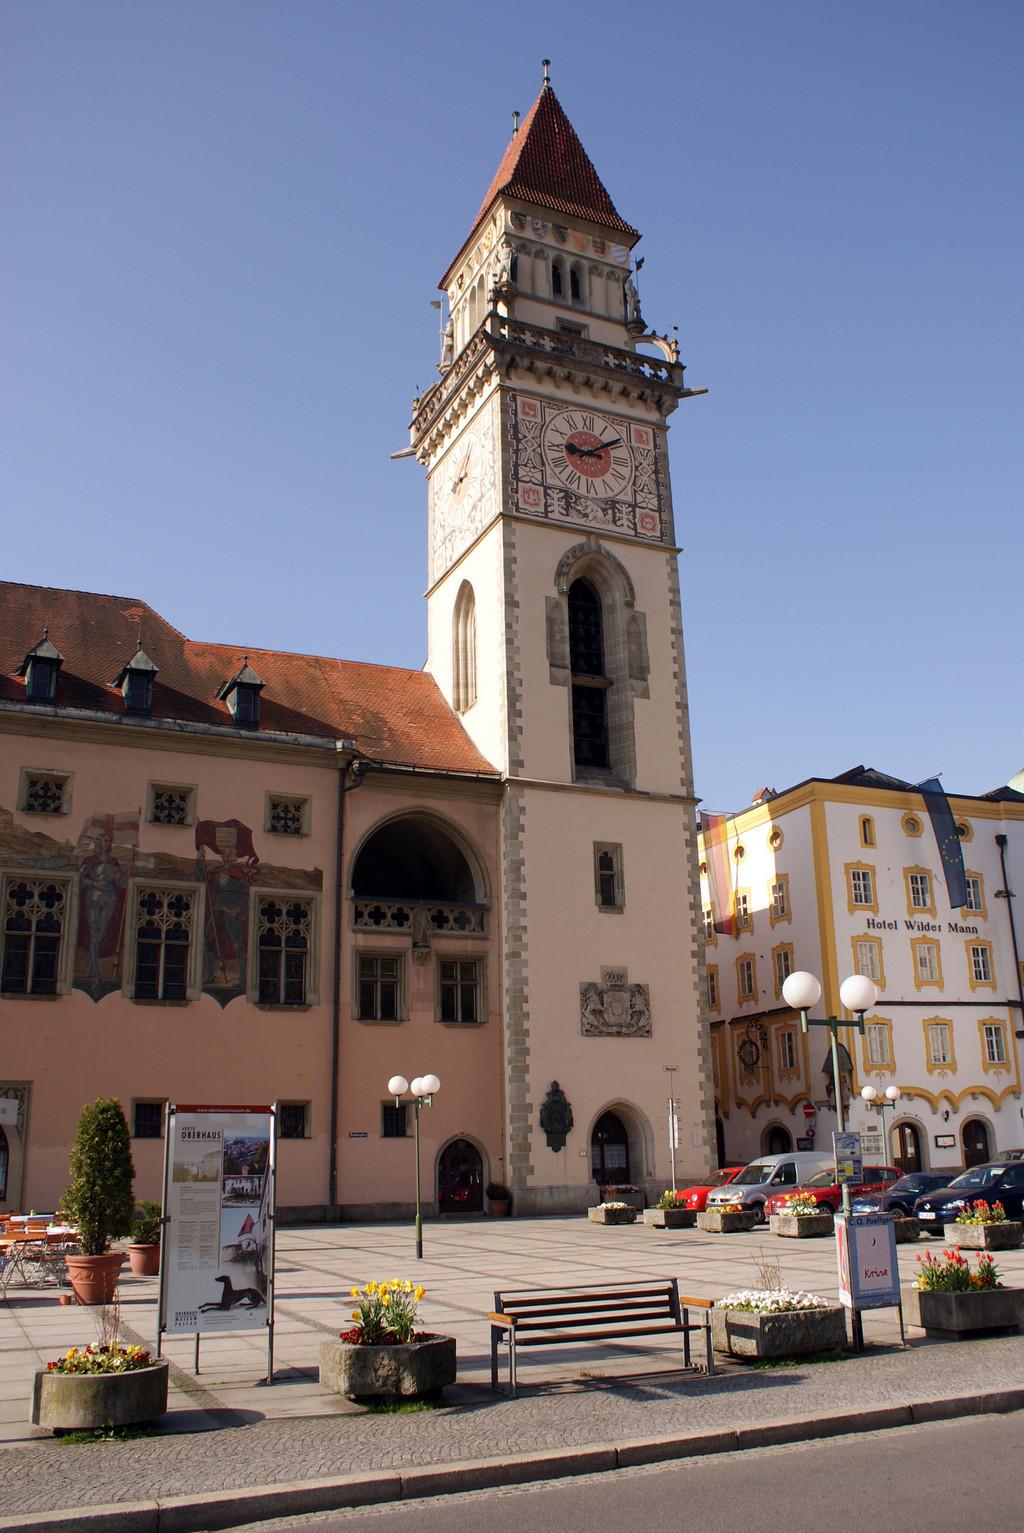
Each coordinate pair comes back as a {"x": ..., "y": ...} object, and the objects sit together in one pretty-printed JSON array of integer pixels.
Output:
[
  {"x": 391, "y": 715},
  {"x": 546, "y": 164}
]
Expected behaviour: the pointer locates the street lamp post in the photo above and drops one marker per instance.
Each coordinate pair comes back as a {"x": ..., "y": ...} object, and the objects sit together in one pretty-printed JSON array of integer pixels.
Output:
[
  {"x": 858, "y": 994},
  {"x": 423, "y": 1089},
  {"x": 881, "y": 1105}
]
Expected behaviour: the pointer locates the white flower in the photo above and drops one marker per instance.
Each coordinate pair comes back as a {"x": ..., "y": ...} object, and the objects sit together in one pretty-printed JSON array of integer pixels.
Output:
[{"x": 771, "y": 1301}]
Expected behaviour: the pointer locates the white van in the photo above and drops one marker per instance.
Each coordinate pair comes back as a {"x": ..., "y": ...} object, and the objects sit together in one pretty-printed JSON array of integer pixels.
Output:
[{"x": 768, "y": 1175}]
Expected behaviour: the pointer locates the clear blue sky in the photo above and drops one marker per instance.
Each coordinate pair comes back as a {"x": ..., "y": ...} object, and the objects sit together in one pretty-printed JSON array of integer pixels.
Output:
[{"x": 224, "y": 221}]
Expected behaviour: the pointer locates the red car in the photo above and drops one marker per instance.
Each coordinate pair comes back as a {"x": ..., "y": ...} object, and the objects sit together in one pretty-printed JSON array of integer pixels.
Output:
[
  {"x": 697, "y": 1197},
  {"x": 826, "y": 1191}
]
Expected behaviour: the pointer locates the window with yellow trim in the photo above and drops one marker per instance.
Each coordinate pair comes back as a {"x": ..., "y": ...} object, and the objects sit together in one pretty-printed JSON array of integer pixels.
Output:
[
  {"x": 782, "y": 964},
  {"x": 778, "y": 899},
  {"x": 746, "y": 977},
  {"x": 708, "y": 917},
  {"x": 920, "y": 890},
  {"x": 787, "y": 1052},
  {"x": 980, "y": 968},
  {"x": 867, "y": 958},
  {"x": 975, "y": 901},
  {"x": 867, "y": 830},
  {"x": 938, "y": 1044},
  {"x": 994, "y": 1051},
  {"x": 714, "y": 1000},
  {"x": 927, "y": 962},
  {"x": 744, "y": 920},
  {"x": 860, "y": 887},
  {"x": 912, "y": 825},
  {"x": 775, "y": 838},
  {"x": 878, "y": 1044}
]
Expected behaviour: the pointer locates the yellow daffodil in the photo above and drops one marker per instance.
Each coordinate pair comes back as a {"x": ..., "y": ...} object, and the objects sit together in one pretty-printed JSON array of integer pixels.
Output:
[{"x": 418, "y": 1294}]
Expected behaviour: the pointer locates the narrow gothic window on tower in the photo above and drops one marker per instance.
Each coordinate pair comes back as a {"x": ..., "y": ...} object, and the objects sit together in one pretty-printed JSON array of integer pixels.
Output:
[
  {"x": 575, "y": 290},
  {"x": 464, "y": 649},
  {"x": 589, "y": 683},
  {"x": 557, "y": 284}
]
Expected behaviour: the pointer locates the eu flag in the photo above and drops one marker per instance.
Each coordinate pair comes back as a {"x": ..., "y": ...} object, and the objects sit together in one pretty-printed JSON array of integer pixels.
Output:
[{"x": 947, "y": 840}]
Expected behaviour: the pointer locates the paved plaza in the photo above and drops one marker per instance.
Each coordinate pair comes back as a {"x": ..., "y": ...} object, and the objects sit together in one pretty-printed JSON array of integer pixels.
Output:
[{"x": 225, "y": 1428}]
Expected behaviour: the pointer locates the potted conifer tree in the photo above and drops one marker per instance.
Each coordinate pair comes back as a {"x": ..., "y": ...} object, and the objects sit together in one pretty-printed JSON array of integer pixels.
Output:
[
  {"x": 144, "y": 1245},
  {"x": 99, "y": 1199}
]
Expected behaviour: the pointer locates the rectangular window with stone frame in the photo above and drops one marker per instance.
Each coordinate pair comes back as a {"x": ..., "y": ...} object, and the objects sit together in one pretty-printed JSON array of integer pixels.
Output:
[
  {"x": 44, "y": 792},
  {"x": 293, "y": 1120},
  {"x": 148, "y": 1120},
  {"x": 35, "y": 918},
  {"x": 394, "y": 1121},
  {"x": 171, "y": 804},
  {"x": 460, "y": 990},
  {"x": 379, "y": 987},
  {"x": 608, "y": 880},
  {"x": 287, "y": 815}
]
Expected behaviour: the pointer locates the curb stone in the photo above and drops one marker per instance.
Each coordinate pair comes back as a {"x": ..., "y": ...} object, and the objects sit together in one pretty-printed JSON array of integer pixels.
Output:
[{"x": 207, "y": 1510}]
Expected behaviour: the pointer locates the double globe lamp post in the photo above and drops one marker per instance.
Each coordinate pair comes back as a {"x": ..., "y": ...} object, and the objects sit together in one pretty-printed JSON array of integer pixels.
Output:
[
  {"x": 858, "y": 994},
  {"x": 423, "y": 1089},
  {"x": 881, "y": 1102}
]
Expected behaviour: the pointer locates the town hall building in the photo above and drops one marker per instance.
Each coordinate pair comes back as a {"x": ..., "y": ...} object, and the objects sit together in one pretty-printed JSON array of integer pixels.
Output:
[{"x": 251, "y": 876}]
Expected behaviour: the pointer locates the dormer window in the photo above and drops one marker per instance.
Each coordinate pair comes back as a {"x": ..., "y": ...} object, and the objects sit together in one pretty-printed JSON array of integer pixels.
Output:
[
  {"x": 39, "y": 668},
  {"x": 242, "y": 695},
  {"x": 136, "y": 682}
]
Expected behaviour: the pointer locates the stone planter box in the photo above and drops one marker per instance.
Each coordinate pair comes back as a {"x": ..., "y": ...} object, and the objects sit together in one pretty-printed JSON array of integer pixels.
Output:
[
  {"x": 714, "y": 1223},
  {"x": 612, "y": 1215},
  {"x": 417, "y": 1369},
  {"x": 800, "y": 1333},
  {"x": 801, "y": 1226},
  {"x": 962, "y": 1314},
  {"x": 906, "y": 1229},
  {"x": 670, "y": 1218},
  {"x": 1005, "y": 1236},
  {"x": 81, "y": 1402},
  {"x": 637, "y": 1200}
]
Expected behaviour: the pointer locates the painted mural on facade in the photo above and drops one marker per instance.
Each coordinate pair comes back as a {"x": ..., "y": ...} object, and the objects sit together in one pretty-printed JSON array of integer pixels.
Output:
[{"x": 106, "y": 859}]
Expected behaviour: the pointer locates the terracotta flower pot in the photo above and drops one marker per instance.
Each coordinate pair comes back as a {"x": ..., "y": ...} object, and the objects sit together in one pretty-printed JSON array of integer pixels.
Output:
[
  {"x": 94, "y": 1278},
  {"x": 144, "y": 1260},
  {"x": 498, "y": 1208}
]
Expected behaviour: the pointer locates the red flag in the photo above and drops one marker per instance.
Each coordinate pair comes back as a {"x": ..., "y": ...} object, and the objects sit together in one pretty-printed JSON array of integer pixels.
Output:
[{"x": 716, "y": 855}]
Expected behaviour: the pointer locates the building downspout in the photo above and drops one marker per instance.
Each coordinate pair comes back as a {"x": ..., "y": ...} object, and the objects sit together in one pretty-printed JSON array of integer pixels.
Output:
[
  {"x": 1005, "y": 894},
  {"x": 344, "y": 786}
]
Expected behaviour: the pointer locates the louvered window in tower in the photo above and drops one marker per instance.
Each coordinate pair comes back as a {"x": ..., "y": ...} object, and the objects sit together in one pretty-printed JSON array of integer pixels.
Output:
[{"x": 589, "y": 683}]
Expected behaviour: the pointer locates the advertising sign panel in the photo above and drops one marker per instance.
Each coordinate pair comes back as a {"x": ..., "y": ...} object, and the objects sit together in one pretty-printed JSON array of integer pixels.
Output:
[
  {"x": 849, "y": 1157},
  {"x": 217, "y": 1260},
  {"x": 866, "y": 1255}
]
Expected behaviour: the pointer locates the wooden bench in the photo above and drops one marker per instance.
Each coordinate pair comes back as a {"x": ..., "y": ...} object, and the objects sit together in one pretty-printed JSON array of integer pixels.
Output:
[{"x": 555, "y": 1317}]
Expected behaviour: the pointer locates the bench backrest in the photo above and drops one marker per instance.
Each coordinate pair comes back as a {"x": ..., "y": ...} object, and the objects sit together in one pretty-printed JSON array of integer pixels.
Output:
[{"x": 599, "y": 1304}]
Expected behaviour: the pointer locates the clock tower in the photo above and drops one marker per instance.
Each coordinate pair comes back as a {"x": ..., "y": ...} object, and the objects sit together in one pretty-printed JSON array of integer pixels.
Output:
[{"x": 555, "y": 630}]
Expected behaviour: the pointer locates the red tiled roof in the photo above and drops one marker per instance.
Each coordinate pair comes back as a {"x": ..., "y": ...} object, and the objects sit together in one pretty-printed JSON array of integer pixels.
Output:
[
  {"x": 546, "y": 164},
  {"x": 392, "y": 715}
]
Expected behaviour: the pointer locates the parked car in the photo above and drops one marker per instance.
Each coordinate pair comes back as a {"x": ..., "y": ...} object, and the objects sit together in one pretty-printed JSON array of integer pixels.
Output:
[
  {"x": 697, "y": 1197},
  {"x": 998, "y": 1181},
  {"x": 899, "y": 1198},
  {"x": 757, "y": 1182},
  {"x": 828, "y": 1193}
]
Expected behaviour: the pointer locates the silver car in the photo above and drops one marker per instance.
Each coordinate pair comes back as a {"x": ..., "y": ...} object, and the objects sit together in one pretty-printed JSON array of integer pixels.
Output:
[{"x": 770, "y": 1174}]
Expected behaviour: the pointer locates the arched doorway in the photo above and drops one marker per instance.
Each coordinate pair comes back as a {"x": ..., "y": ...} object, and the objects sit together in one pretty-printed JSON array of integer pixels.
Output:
[
  {"x": 907, "y": 1154},
  {"x": 460, "y": 1179},
  {"x": 609, "y": 1150},
  {"x": 975, "y": 1140},
  {"x": 777, "y": 1140}
]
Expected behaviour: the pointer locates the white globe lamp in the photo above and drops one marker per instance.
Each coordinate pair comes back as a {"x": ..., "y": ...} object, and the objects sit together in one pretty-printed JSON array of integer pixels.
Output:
[
  {"x": 858, "y": 993},
  {"x": 801, "y": 991}
]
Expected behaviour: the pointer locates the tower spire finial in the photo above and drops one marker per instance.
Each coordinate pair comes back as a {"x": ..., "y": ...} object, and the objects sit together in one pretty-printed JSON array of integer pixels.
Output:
[
  {"x": 546, "y": 66},
  {"x": 515, "y": 123}
]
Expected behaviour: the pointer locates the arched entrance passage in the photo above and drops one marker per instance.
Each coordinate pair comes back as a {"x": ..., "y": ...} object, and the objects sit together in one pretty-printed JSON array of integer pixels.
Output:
[
  {"x": 977, "y": 1146},
  {"x": 777, "y": 1140},
  {"x": 907, "y": 1152},
  {"x": 5, "y": 1160},
  {"x": 460, "y": 1179},
  {"x": 720, "y": 1140},
  {"x": 609, "y": 1150},
  {"x": 414, "y": 859}
]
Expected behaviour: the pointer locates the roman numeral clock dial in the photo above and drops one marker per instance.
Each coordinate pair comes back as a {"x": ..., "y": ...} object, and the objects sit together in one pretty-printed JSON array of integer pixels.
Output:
[{"x": 588, "y": 453}]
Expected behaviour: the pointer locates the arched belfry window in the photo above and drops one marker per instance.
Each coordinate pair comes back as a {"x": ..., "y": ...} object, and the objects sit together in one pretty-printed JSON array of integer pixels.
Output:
[
  {"x": 464, "y": 649},
  {"x": 589, "y": 682}
]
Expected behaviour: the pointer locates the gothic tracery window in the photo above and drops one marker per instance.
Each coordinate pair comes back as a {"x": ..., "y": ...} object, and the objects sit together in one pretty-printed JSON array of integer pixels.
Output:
[
  {"x": 34, "y": 910},
  {"x": 589, "y": 682},
  {"x": 464, "y": 649}
]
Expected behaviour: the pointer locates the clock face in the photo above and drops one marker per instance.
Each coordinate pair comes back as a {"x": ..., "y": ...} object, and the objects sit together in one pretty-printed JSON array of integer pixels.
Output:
[
  {"x": 463, "y": 474},
  {"x": 587, "y": 453}
]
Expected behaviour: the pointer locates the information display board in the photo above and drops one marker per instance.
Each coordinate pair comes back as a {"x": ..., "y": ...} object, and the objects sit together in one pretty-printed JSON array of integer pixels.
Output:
[
  {"x": 869, "y": 1276},
  {"x": 217, "y": 1261},
  {"x": 849, "y": 1157}
]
